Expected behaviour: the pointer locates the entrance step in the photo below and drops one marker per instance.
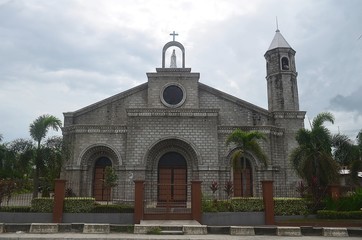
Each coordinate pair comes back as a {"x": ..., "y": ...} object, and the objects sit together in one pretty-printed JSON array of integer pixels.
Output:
[
  {"x": 169, "y": 227},
  {"x": 168, "y": 232}
]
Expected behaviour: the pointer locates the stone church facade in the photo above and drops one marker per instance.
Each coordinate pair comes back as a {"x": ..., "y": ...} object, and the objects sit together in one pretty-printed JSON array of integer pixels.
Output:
[{"x": 172, "y": 129}]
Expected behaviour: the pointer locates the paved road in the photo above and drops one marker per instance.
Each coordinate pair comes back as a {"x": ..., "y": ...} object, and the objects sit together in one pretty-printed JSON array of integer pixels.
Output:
[{"x": 79, "y": 236}]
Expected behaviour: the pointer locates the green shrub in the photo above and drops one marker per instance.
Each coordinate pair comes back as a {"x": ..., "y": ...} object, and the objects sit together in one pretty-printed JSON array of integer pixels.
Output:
[
  {"x": 282, "y": 206},
  {"x": 329, "y": 214},
  {"x": 78, "y": 204},
  {"x": 290, "y": 206},
  {"x": 209, "y": 205},
  {"x": 113, "y": 209},
  {"x": 352, "y": 202},
  {"x": 250, "y": 204},
  {"x": 44, "y": 205},
  {"x": 15, "y": 209}
]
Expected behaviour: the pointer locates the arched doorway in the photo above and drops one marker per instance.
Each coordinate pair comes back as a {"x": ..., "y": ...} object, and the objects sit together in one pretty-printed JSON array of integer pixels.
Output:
[
  {"x": 243, "y": 179},
  {"x": 172, "y": 178},
  {"x": 100, "y": 193}
]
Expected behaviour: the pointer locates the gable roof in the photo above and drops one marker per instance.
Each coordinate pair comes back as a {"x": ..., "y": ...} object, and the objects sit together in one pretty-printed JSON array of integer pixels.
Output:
[
  {"x": 144, "y": 86},
  {"x": 233, "y": 99},
  {"x": 109, "y": 100}
]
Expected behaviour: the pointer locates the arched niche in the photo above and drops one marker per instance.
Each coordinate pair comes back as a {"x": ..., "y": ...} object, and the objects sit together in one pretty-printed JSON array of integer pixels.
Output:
[{"x": 171, "y": 44}]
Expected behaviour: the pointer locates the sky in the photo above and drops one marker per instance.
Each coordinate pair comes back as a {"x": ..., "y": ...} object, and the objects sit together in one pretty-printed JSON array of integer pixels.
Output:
[{"x": 62, "y": 55}]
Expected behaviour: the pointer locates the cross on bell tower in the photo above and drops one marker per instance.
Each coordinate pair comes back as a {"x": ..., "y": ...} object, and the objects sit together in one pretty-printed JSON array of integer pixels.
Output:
[{"x": 174, "y": 35}]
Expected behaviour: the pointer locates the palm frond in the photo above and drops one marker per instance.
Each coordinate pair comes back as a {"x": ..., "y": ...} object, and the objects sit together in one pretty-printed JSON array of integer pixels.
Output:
[{"x": 321, "y": 118}]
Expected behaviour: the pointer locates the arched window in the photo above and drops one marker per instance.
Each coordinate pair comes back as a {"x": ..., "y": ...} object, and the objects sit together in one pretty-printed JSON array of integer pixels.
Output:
[{"x": 285, "y": 63}]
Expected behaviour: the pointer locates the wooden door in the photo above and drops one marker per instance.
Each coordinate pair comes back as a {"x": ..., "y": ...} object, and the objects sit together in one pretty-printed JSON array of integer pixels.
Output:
[
  {"x": 172, "y": 178},
  {"x": 164, "y": 187},
  {"x": 238, "y": 182},
  {"x": 100, "y": 193},
  {"x": 179, "y": 185}
]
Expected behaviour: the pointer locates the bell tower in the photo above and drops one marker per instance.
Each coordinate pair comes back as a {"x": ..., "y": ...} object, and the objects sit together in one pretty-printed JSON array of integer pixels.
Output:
[{"x": 281, "y": 75}]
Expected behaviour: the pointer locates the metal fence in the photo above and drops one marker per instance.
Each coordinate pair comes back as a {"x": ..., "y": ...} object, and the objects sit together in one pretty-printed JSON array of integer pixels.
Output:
[{"x": 167, "y": 198}]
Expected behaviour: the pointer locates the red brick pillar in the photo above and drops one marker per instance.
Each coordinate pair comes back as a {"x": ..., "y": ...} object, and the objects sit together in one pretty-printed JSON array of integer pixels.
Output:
[
  {"x": 268, "y": 202},
  {"x": 196, "y": 200},
  {"x": 59, "y": 194},
  {"x": 138, "y": 201}
]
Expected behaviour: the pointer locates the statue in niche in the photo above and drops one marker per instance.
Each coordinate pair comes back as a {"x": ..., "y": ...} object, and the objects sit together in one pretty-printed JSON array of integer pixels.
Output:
[{"x": 173, "y": 60}]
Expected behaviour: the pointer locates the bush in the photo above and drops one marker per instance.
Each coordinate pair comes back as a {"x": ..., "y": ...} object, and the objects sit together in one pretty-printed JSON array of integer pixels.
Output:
[
  {"x": 44, "y": 205},
  {"x": 71, "y": 205},
  {"x": 352, "y": 202},
  {"x": 113, "y": 209},
  {"x": 15, "y": 209},
  {"x": 290, "y": 206},
  {"x": 328, "y": 214},
  {"x": 208, "y": 205},
  {"x": 250, "y": 204},
  {"x": 79, "y": 204},
  {"x": 282, "y": 206}
]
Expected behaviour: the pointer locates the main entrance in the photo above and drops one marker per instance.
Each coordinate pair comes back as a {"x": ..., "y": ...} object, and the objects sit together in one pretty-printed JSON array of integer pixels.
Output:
[
  {"x": 101, "y": 193},
  {"x": 172, "y": 178}
]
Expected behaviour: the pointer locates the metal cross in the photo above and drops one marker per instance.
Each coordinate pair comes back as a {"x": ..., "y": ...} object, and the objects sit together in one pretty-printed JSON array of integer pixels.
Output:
[{"x": 173, "y": 35}]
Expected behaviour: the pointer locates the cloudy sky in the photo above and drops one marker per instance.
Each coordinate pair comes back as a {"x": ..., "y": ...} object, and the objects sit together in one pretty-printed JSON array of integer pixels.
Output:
[{"x": 61, "y": 55}]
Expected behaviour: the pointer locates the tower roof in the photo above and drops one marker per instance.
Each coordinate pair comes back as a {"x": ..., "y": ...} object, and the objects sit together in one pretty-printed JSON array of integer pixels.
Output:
[{"x": 279, "y": 41}]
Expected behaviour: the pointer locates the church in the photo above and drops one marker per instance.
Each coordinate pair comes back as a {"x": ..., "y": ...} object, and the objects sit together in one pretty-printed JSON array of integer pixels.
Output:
[{"x": 172, "y": 129}]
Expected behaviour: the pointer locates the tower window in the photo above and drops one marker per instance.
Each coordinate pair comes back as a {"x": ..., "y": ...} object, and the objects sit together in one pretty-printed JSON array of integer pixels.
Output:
[{"x": 285, "y": 63}]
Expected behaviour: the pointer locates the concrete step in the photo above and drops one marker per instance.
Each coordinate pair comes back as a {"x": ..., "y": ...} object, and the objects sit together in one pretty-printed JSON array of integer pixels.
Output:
[{"x": 170, "y": 232}]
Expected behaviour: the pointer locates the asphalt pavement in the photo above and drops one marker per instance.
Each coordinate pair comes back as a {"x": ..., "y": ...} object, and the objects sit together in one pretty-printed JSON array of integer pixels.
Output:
[{"x": 80, "y": 236}]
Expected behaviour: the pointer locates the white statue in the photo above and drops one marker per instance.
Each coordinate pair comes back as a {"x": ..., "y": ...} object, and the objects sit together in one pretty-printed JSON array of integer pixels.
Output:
[{"x": 173, "y": 60}]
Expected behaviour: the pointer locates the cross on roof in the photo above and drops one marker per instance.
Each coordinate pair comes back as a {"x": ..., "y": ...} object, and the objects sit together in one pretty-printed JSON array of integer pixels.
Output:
[{"x": 173, "y": 35}]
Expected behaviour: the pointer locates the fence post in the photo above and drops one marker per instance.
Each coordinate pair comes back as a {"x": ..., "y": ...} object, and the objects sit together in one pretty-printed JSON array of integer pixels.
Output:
[
  {"x": 196, "y": 200},
  {"x": 59, "y": 194},
  {"x": 138, "y": 201},
  {"x": 268, "y": 202}
]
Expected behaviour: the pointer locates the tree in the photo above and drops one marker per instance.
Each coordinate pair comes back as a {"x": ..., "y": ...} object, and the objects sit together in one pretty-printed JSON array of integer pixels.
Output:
[
  {"x": 110, "y": 179},
  {"x": 18, "y": 158},
  {"x": 246, "y": 142},
  {"x": 344, "y": 151},
  {"x": 38, "y": 131},
  {"x": 356, "y": 163},
  {"x": 312, "y": 159},
  {"x": 53, "y": 153}
]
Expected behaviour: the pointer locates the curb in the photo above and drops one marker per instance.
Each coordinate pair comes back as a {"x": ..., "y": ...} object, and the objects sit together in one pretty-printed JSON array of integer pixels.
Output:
[{"x": 206, "y": 230}]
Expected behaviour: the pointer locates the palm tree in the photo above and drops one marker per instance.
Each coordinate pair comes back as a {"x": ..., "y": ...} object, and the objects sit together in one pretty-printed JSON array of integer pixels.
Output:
[
  {"x": 246, "y": 142},
  {"x": 313, "y": 159},
  {"x": 344, "y": 151},
  {"x": 38, "y": 131},
  {"x": 356, "y": 163}
]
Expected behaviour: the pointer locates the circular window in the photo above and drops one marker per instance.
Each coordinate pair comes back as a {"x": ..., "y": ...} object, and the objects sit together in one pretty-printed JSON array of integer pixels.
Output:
[{"x": 173, "y": 95}]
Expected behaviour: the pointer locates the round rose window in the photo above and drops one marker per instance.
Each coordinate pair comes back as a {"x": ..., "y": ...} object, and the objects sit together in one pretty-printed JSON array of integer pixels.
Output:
[{"x": 173, "y": 96}]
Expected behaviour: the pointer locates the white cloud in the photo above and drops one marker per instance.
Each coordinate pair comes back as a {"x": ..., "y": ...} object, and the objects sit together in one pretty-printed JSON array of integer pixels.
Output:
[{"x": 58, "y": 56}]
